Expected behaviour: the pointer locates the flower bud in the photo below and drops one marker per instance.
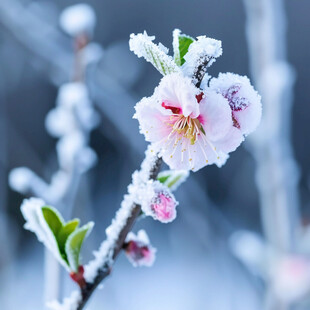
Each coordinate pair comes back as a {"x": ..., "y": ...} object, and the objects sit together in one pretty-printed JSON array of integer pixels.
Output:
[
  {"x": 160, "y": 203},
  {"x": 139, "y": 250}
]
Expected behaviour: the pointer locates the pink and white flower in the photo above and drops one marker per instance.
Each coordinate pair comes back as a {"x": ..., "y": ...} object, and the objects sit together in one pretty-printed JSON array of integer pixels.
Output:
[
  {"x": 138, "y": 249},
  {"x": 193, "y": 129},
  {"x": 244, "y": 101}
]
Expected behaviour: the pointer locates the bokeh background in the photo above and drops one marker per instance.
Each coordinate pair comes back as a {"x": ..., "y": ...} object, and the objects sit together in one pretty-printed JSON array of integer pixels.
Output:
[{"x": 195, "y": 268}]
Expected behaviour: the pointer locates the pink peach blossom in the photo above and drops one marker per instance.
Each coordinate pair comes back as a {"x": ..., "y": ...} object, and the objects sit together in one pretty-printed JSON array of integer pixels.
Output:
[{"x": 193, "y": 129}]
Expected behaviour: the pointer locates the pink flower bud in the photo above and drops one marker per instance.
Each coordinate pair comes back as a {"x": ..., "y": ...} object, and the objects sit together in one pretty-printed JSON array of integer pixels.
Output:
[
  {"x": 159, "y": 202},
  {"x": 139, "y": 250}
]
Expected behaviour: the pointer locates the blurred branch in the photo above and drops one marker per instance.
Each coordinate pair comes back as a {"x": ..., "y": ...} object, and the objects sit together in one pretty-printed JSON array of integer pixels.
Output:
[{"x": 277, "y": 172}]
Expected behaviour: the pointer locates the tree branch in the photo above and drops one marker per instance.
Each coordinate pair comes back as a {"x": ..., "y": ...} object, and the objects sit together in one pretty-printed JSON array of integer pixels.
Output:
[{"x": 105, "y": 269}]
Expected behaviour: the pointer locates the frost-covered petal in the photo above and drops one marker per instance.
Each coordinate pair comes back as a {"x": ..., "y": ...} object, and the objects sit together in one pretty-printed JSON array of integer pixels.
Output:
[
  {"x": 151, "y": 118},
  {"x": 244, "y": 101},
  {"x": 215, "y": 115},
  {"x": 178, "y": 91},
  {"x": 230, "y": 142}
]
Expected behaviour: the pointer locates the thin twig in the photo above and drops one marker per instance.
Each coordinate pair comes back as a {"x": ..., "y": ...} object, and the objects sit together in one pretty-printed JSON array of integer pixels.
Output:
[{"x": 105, "y": 270}]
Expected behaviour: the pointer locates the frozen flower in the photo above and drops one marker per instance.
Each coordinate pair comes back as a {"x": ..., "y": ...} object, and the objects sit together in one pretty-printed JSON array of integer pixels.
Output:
[
  {"x": 244, "y": 101},
  {"x": 192, "y": 128},
  {"x": 158, "y": 201},
  {"x": 291, "y": 278},
  {"x": 139, "y": 250}
]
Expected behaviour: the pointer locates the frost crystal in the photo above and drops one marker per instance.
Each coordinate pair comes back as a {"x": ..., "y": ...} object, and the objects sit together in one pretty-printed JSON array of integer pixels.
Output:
[
  {"x": 139, "y": 250},
  {"x": 201, "y": 54},
  {"x": 70, "y": 303},
  {"x": 141, "y": 44},
  {"x": 78, "y": 19}
]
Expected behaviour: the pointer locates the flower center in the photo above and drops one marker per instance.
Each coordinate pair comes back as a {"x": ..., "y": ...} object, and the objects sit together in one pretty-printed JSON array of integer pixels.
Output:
[{"x": 188, "y": 127}]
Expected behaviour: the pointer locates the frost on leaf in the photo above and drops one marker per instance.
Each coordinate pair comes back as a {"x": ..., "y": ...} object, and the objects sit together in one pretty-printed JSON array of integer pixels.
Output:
[
  {"x": 181, "y": 43},
  {"x": 63, "y": 239},
  {"x": 141, "y": 44},
  {"x": 173, "y": 178},
  {"x": 201, "y": 55}
]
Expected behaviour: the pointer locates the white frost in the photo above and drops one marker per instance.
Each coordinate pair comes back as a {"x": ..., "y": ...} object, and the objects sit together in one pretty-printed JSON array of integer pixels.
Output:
[
  {"x": 78, "y": 19},
  {"x": 142, "y": 45},
  {"x": 69, "y": 303},
  {"x": 201, "y": 51}
]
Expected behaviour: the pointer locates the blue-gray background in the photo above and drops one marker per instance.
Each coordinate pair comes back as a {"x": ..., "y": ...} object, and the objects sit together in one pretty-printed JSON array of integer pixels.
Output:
[{"x": 194, "y": 268}]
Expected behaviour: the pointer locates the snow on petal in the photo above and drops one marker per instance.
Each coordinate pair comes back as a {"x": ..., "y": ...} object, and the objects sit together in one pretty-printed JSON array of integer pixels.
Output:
[
  {"x": 177, "y": 91},
  {"x": 244, "y": 101},
  {"x": 138, "y": 249}
]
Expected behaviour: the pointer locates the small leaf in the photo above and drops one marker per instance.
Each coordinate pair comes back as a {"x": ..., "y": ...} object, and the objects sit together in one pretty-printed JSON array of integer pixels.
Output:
[
  {"x": 172, "y": 178},
  {"x": 142, "y": 45},
  {"x": 53, "y": 218},
  {"x": 64, "y": 233},
  {"x": 181, "y": 43},
  {"x": 74, "y": 243}
]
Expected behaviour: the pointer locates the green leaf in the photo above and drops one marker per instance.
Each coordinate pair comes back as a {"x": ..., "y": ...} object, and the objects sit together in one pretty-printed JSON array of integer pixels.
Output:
[
  {"x": 74, "y": 243},
  {"x": 172, "y": 178},
  {"x": 53, "y": 219},
  {"x": 142, "y": 45},
  {"x": 181, "y": 43},
  {"x": 63, "y": 235}
]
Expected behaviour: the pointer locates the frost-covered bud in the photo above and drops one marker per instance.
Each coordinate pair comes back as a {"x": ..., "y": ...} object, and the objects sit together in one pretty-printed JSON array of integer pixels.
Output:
[
  {"x": 244, "y": 101},
  {"x": 78, "y": 19},
  {"x": 291, "y": 278},
  {"x": 139, "y": 250},
  {"x": 159, "y": 202}
]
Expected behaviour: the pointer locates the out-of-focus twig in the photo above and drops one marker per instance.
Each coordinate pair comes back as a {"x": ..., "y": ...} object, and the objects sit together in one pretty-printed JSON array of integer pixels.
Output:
[{"x": 277, "y": 172}]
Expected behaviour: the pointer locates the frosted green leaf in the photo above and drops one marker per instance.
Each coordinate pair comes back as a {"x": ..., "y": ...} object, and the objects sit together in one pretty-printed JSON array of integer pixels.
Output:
[
  {"x": 172, "y": 178},
  {"x": 53, "y": 218},
  {"x": 181, "y": 43},
  {"x": 64, "y": 233},
  {"x": 74, "y": 243},
  {"x": 141, "y": 44}
]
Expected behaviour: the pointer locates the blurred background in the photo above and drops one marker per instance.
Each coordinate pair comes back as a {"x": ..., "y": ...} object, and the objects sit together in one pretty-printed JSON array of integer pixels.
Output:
[{"x": 198, "y": 263}]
